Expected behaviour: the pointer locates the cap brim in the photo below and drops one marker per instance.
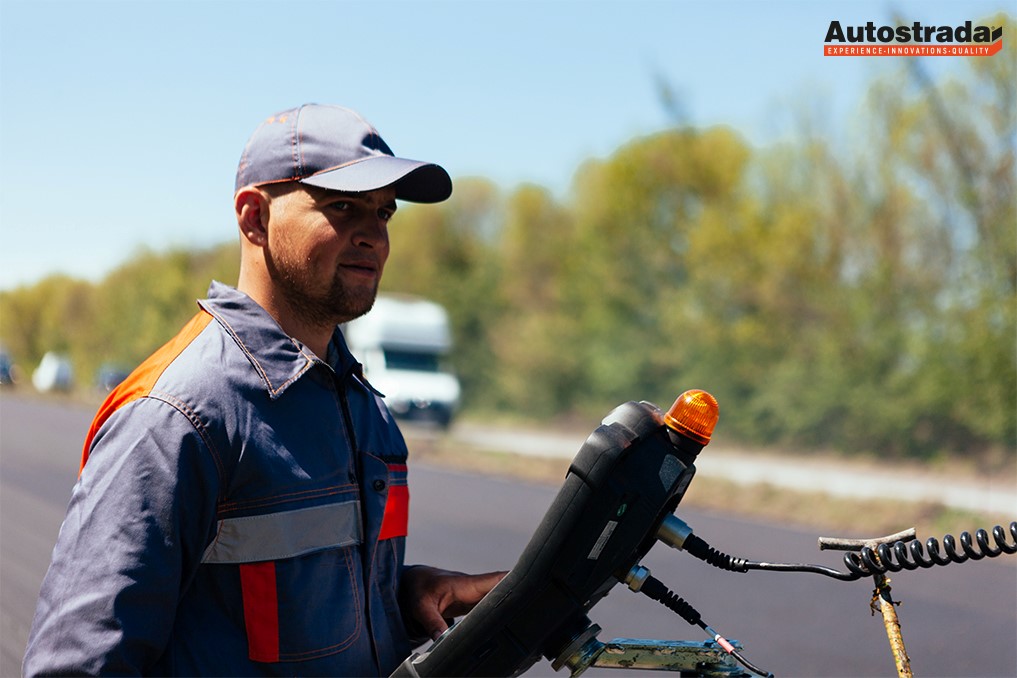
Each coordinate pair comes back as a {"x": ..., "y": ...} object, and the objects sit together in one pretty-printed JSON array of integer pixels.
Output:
[{"x": 414, "y": 181}]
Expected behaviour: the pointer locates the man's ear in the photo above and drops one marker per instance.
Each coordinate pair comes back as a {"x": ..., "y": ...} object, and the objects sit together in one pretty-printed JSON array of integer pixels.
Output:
[{"x": 251, "y": 206}]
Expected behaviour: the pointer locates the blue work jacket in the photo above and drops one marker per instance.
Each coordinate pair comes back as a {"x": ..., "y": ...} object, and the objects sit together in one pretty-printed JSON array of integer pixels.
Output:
[{"x": 241, "y": 510}]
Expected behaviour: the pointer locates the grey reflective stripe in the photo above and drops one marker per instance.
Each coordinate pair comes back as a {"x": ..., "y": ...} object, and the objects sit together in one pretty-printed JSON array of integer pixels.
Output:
[{"x": 275, "y": 536}]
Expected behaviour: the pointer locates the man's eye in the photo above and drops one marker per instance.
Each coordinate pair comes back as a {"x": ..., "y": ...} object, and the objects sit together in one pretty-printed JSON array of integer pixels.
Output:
[
  {"x": 340, "y": 205},
  {"x": 386, "y": 214}
]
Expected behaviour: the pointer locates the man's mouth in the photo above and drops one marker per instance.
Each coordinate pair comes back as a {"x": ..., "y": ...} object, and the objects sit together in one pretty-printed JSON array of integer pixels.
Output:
[{"x": 367, "y": 268}]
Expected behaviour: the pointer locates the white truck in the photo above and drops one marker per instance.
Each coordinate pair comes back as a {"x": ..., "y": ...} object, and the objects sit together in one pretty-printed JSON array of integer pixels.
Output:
[{"x": 402, "y": 343}]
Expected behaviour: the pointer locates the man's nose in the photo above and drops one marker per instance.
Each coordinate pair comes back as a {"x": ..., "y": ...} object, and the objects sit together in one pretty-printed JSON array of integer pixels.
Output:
[{"x": 371, "y": 233}]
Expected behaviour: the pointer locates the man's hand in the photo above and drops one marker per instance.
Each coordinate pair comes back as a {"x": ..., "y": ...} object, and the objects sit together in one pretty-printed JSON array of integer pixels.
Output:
[{"x": 432, "y": 597}]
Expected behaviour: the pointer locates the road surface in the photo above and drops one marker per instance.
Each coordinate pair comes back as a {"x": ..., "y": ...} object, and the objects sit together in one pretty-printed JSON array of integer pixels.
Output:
[{"x": 959, "y": 620}]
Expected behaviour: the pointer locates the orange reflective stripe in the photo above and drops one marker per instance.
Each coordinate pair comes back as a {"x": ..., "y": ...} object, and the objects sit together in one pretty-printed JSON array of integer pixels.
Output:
[{"x": 140, "y": 382}]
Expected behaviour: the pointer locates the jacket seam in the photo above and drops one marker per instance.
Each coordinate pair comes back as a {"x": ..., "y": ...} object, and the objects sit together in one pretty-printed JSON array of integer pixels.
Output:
[
  {"x": 283, "y": 498},
  {"x": 374, "y": 551},
  {"x": 195, "y": 420}
]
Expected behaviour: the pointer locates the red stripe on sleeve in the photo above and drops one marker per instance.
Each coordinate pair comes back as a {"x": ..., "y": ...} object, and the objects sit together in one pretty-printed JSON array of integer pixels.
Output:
[{"x": 261, "y": 611}]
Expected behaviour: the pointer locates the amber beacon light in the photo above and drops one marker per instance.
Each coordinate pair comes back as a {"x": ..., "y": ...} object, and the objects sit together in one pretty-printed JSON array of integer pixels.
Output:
[{"x": 694, "y": 414}]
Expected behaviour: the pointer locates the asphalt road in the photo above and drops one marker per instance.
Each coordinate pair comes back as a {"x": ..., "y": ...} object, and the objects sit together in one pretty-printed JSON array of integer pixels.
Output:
[{"x": 960, "y": 620}]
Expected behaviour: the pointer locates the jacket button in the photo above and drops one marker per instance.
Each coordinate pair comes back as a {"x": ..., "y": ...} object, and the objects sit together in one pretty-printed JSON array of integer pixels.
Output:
[{"x": 379, "y": 485}]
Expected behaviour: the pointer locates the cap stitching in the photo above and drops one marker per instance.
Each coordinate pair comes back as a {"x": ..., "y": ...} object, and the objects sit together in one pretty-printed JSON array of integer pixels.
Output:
[
  {"x": 295, "y": 144},
  {"x": 370, "y": 128},
  {"x": 244, "y": 168}
]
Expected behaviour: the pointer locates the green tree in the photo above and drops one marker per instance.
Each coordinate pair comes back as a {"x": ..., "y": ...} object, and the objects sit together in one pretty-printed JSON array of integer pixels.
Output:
[
  {"x": 53, "y": 315},
  {"x": 865, "y": 302},
  {"x": 120, "y": 320},
  {"x": 444, "y": 253},
  {"x": 534, "y": 337},
  {"x": 636, "y": 214}
]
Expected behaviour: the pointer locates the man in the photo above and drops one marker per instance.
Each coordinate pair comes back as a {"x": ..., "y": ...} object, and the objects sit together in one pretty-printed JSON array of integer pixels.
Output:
[{"x": 242, "y": 503}]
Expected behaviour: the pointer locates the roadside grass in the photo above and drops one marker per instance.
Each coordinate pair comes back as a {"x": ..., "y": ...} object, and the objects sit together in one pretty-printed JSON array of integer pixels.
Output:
[{"x": 828, "y": 515}]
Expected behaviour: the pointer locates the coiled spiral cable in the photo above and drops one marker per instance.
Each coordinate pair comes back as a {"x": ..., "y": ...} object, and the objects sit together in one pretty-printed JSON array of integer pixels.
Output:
[
  {"x": 902, "y": 555},
  {"x": 911, "y": 556}
]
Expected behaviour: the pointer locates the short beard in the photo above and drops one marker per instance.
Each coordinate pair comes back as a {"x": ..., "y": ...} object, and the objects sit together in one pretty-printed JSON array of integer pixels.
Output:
[{"x": 337, "y": 304}]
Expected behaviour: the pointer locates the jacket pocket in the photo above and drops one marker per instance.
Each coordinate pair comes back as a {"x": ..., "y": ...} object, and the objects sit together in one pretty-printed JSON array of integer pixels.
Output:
[
  {"x": 302, "y": 608},
  {"x": 299, "y": 577}
]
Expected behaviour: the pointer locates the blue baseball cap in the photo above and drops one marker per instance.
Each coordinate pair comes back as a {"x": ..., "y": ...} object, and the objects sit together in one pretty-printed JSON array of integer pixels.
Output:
[{"x": 335, "y": 148}]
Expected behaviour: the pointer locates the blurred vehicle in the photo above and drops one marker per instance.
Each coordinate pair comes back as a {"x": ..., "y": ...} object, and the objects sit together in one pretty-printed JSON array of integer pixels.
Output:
[
  {"x": 54, "y": 373},
  {"x": 403, "y": 342},
  {"x": 7, "y": 370},
  {"x": 109, "y": 376}
]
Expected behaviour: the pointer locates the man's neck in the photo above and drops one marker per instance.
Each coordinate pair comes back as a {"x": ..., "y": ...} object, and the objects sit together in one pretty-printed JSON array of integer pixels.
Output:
[{"x": 314, "y": 336}]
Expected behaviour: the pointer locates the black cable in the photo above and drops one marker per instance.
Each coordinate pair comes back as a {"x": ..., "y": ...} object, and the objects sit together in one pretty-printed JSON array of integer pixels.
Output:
[
  {"x": 656, "y": 590},
  {"x": 700, "y": 549},
  {"x": 867, "y": 562}
]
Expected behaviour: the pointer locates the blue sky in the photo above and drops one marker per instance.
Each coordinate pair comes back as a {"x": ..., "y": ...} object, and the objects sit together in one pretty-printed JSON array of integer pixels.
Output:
[{"x": 121, "y": 122}]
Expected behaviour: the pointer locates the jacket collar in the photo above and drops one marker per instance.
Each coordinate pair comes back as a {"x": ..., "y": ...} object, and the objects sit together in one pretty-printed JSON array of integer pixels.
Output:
[{"x": 278, "y": 358}]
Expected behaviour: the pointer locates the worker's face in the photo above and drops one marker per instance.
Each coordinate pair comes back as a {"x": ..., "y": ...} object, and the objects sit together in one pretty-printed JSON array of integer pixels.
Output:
[{"x": 326, "y": 250}]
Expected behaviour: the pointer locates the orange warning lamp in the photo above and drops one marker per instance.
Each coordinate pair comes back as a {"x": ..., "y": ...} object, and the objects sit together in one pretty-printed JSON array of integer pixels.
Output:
[{"x": 694, "y": 415}]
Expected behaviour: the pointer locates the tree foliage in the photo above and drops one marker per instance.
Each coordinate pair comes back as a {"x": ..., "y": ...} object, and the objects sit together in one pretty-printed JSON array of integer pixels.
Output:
[
  {"x": 118, "y": 321},
  {"x": 864, "y": 301}
]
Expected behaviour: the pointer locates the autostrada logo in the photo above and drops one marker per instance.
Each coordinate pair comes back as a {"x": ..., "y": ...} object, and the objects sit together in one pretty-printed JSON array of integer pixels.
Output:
[{"x": 915, "y": 39}]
